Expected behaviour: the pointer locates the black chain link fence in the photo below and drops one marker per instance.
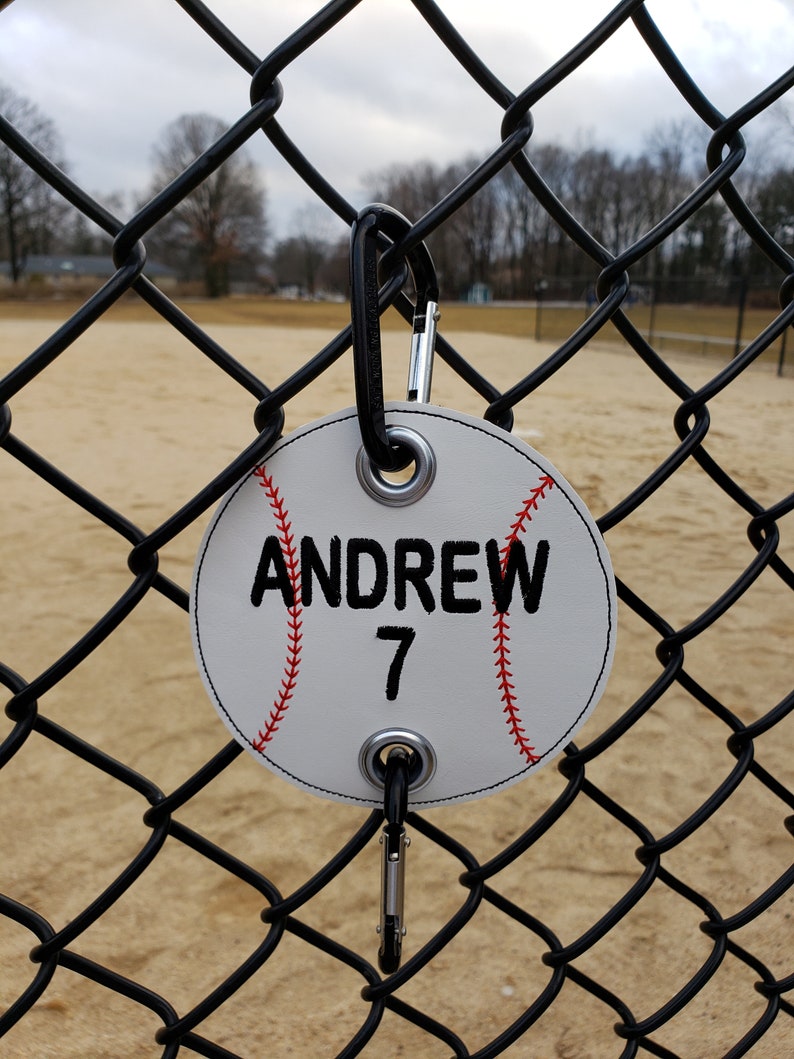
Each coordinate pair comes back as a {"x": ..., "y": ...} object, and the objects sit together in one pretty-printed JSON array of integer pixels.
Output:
[{"x": 684, "y": 880}]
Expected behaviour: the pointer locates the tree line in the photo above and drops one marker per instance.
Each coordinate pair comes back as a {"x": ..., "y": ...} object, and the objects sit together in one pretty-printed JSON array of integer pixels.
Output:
[
  {"x": 505, "y": 239},
  {"x": 502, "y": 241}
]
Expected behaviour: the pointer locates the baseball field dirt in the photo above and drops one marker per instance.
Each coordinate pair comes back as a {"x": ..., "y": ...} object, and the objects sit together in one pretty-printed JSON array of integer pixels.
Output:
[{"x": 134, "y": 414}]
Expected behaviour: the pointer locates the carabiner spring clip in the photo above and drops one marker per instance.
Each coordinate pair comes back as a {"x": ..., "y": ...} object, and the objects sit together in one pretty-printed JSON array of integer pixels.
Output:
[{"x": 423, "y": 346}]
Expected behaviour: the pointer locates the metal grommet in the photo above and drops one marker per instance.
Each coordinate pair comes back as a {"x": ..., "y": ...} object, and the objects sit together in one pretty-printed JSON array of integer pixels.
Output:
[
  {"x": 422, "y": 757},
  {"x": 399, "y": 494}
]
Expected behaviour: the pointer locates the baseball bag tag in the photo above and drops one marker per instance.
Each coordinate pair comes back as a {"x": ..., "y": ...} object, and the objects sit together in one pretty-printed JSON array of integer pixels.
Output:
[
  {"x": 468, "y": 615},
  {"x": 394, "y": 642}
]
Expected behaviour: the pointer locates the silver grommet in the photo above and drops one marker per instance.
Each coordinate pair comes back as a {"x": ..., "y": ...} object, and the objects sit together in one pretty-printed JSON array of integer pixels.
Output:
[
  {"x": 422, "y": 757},
  {"x": 399, "y": 494}
]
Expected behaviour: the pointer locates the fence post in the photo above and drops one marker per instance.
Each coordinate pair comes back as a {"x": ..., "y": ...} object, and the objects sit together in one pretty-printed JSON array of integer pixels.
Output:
[
  {"x": 781, "y": 360},
  {"x": 541, "y": 287},
  {"x": 652, "y": 313},
  {"x": 740, "y": 316}
]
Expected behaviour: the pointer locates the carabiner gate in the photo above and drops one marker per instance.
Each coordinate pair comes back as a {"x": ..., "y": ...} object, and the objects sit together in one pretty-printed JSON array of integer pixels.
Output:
[{"x": 423, "y": 347}]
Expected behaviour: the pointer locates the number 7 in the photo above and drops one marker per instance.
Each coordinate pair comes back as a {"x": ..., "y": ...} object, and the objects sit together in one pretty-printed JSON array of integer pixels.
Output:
[{"x": 405, "y": 637}]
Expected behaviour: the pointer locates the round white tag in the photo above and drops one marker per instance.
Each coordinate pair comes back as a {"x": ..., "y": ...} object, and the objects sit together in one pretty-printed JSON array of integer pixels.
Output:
[{"x": 469, "y": 615}]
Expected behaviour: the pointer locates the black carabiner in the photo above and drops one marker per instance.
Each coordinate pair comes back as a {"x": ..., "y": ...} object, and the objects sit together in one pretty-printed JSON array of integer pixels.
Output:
[
  {"x": 394, "y": 842},
  {"x": 381, "y": 228}
]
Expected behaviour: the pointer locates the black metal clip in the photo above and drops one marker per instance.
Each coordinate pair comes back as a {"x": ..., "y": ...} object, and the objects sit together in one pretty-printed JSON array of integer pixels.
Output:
[
  {"x": 381, "y": 228},
  {"x": 394, "y": 842}
]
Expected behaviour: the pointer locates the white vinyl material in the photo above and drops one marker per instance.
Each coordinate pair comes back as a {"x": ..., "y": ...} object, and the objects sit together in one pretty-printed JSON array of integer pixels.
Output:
[{"x": 307, "y": 590}]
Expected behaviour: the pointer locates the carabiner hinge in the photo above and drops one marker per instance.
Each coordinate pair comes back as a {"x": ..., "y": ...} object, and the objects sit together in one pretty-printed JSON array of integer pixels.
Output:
[
  {"x": 423, "y": 346},
  {"x": 392, "y": 928}
]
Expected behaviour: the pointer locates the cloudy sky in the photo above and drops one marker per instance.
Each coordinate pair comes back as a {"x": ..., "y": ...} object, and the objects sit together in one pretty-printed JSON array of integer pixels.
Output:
[{"x": 379, "y": 88}]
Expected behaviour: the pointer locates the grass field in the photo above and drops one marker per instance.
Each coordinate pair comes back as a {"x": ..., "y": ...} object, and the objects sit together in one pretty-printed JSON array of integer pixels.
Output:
[{"x": 688, "y": 328}]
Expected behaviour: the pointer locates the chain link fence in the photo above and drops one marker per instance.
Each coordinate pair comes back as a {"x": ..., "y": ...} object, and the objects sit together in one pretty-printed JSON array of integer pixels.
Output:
[{"x": 162, "y": 894}]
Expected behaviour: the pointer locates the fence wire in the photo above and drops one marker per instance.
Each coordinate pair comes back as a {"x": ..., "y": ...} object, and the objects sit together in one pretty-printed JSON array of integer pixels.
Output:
[{"x": 273, "y": 959}]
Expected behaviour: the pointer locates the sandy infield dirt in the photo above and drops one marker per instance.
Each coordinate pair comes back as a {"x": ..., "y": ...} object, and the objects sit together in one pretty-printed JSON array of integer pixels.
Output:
[{"x": 136, "y": 416}]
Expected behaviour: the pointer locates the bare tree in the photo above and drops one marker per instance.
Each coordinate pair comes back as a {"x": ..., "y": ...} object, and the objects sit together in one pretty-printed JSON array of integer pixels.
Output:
[
  {"x": 219, "y": 226},
  {"x": 531, "y": 241},
  {"x": 30, "y": 211},
  {"x": 413, "y": 190},
  {"x": 307, "y": 258},
  {"x": 78, "y": 235},
  {"x": 476, "y": 226}
]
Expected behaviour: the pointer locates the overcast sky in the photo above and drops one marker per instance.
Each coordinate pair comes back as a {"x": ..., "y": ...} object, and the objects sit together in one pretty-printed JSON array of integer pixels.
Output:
[{"x": 379, "y": 88}]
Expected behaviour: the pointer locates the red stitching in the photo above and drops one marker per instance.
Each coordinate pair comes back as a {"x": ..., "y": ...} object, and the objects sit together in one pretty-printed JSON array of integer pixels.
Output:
[
  {"x": 294, "y": 623},
  {"x": 502, "y": 627}
]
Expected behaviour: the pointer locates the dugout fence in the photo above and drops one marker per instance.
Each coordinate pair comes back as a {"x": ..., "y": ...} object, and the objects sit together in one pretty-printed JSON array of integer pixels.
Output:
[{"x": 702, "y": 722}]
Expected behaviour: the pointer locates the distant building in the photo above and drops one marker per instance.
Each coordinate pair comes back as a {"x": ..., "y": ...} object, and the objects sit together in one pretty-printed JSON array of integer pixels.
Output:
[
  {"x": 478, "y": 294},
  {"x": 65, "y": 272}
]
